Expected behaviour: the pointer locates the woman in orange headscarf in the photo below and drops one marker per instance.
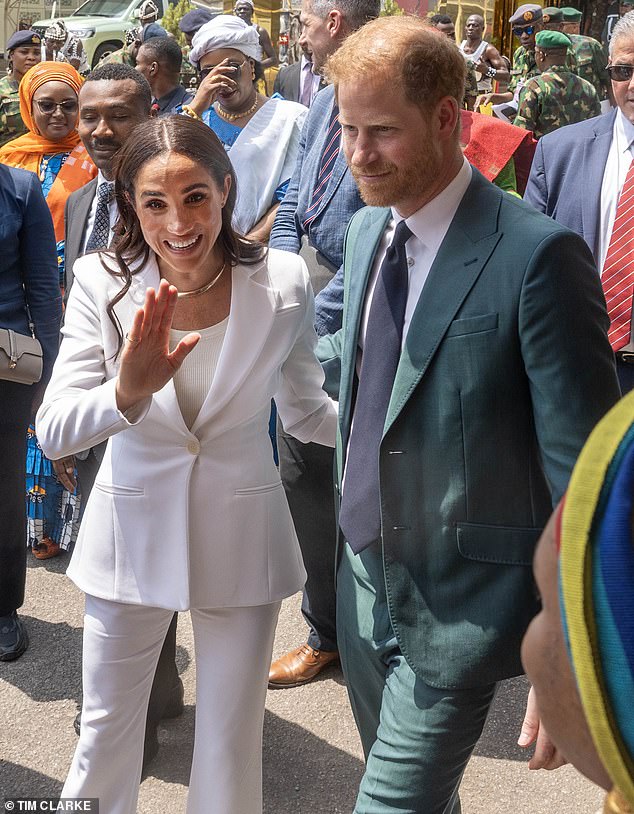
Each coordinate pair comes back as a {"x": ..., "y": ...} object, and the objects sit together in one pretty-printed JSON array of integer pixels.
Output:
[{"x": 52, "y": 150}]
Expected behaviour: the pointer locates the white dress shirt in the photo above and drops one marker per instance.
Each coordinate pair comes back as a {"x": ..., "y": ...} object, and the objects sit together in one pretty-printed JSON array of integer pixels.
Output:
[
  {"x": 112, "y": 210},
  {"x": 428, "y": 225},
  {"x": 616, "y": 167}
]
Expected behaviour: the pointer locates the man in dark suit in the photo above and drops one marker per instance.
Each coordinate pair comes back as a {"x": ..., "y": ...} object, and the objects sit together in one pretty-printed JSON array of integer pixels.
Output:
[
  {"x": 311, "y": 220},
  {"x": 472, "y": 364},
  {"x": 297, "y": 82},
  {"x": 583, "y": 176},
  {"x": 160, "y": 60},
  {"x": 113, "y": 100}
]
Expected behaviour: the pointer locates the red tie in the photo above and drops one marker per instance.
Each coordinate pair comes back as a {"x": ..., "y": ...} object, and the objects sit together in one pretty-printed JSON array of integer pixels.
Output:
[{"x": 618, "y": 270}]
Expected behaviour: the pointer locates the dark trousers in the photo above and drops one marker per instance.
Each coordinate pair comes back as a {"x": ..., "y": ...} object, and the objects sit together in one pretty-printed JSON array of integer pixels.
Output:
[
  {"x": 15, "y": 414},
  {"x": 307, "y": 475},
  {"x": 166, "y": 675}
]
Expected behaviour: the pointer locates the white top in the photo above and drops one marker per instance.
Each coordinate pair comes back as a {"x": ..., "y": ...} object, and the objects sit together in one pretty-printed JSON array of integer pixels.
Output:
[
  {"x": 429, "y": 225},
  {"x": 112, "y": 211},
  {"x": 210, "y": 497},
  {"x": 193, "y": 379},
  {"x": 616, "y": 167}
]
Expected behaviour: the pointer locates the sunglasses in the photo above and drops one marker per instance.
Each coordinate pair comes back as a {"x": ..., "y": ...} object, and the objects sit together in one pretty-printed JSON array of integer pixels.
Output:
[
  {"x": 235, "y": 66},
  {"x": 48, "y": 106},
  {"x": 526, "y": 29},
  {"x": 620, "y": 73}
]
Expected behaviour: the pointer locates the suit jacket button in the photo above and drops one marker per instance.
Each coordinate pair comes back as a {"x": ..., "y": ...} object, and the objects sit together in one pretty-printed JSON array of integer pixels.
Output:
[{"x": 193, "y": 447}]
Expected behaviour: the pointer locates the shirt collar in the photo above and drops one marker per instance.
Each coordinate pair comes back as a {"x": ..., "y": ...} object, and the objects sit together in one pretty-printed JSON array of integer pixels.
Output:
[
  {"x": 306, "y": 63},
  {"x": 430, "y": 223},
  {"x": 623, "y": 131}
]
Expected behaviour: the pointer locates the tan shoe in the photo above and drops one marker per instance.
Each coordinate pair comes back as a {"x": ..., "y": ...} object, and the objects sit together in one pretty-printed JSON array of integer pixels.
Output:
[{"x": 300, "y": 666}]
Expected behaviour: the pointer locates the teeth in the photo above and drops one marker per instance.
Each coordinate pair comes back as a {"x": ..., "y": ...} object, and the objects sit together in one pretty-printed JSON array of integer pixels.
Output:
[{"x": 173, "y": 244}]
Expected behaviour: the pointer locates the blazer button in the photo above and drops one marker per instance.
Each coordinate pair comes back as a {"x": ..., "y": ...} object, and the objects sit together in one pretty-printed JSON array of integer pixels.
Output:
[{"x": 193, "y": 447}]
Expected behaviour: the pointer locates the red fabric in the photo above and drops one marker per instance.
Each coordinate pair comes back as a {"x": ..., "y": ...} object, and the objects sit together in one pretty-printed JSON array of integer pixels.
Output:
[
  {"x": 490, "y": 143},
  {"x": 617, "y": 277}
]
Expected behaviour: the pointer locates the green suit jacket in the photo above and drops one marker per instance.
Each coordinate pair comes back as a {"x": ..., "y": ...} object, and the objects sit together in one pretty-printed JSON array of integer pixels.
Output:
[{"x": 505, "y": 370}]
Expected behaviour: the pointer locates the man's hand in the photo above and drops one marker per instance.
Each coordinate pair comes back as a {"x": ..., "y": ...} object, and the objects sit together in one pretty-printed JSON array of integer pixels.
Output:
[
  {"x": 546, "y": 756},
  {"x": 65, "y": 471}
]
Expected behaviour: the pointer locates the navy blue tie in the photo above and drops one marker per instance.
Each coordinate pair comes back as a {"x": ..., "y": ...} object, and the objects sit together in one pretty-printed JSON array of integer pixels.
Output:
[{"x": 360, "y": 512}]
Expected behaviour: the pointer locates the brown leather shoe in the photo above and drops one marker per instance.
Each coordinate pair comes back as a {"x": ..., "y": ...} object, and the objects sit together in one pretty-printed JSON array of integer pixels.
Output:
[{"x": 300, "y": 666}]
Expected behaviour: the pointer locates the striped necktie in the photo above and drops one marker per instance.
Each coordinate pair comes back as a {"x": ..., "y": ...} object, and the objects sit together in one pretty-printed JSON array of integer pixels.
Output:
[
  {"x": 618, "y": 270},
  {"x": 326, "y": 166}
]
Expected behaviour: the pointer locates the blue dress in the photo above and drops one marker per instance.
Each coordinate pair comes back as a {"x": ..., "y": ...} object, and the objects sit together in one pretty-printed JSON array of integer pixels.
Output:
[{"x": 53, "y": 513}]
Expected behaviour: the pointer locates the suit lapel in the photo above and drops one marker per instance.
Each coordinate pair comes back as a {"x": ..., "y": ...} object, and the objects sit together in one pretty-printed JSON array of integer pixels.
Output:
[
  {"x": 595, "y": 156},
  {"x": 76, "y": 230},
  {"x": 295, "y": 84},
  {"x": 253, "y": 306},
  {"x": 357, "y": 271},
  {"x": 464, "y": 252}
]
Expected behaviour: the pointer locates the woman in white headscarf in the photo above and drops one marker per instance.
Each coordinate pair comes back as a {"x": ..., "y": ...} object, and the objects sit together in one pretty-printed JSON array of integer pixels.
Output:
[{"x": 261, "y": 135}]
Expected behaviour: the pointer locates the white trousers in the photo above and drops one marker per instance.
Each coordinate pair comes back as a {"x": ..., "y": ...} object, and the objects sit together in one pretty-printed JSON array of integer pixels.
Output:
[{"x": 233, "y": 648}]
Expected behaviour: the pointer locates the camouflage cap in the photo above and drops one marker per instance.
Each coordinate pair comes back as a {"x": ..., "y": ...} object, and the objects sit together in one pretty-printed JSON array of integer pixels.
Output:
[
  {"x": 551, "y": 39},
  {"x": 23, "y": 38},
  {"x": 571, "y": 15},
  {"x": 552, "y": 15},
  {"x": 526, "y": 14}
]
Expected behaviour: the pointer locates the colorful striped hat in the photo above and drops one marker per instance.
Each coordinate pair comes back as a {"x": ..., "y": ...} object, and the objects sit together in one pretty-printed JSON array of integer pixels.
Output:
[{"x": 596, "y": 580}]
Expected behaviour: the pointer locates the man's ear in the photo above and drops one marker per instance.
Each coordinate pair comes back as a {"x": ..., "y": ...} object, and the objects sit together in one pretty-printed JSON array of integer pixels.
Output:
[{"x": 335, "y": 24}]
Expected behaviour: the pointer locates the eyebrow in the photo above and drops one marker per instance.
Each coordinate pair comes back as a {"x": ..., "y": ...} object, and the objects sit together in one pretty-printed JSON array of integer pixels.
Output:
[{"x": 149, "y": 194}]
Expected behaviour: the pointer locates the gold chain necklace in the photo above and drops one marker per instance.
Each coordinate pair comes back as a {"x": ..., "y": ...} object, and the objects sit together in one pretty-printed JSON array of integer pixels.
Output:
[
  {"x": 231, "y": 117},
  {"x": 183, "y": 295}
]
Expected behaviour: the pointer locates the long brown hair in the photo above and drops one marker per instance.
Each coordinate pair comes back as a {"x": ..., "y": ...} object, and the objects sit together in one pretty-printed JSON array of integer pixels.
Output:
[{"x": 155, "y": 137}]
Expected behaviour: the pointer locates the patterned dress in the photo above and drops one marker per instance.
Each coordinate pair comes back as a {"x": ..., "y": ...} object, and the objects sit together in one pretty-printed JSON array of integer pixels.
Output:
[
  {"x": 555, "y": 98},
  {"x": 53, "y": 513}
]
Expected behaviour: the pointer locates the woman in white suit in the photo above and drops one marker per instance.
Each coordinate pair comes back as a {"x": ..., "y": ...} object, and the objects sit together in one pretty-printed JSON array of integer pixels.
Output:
[{"x": 174, "y": 343}]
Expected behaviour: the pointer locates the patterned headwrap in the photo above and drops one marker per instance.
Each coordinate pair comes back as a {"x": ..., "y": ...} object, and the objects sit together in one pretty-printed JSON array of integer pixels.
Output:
[
  {"x": 26, "y": 151},
  {"x": 56, "y": 31},
  {"x": 596, "y": 580}
]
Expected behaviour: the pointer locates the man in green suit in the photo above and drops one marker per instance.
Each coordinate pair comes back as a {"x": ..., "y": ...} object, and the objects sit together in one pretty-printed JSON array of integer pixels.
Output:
[{"x": 472, "y": 363}]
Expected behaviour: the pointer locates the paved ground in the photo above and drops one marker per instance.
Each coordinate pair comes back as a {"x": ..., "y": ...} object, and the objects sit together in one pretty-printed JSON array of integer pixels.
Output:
[{"x": 311, "y": 756}]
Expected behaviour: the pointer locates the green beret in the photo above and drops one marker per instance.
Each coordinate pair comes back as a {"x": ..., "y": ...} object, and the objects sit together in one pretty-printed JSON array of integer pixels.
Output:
[
  {"x": 527, "y": 14},
  {"x": 571, "y": 15},
  {"x": 552, "y": 15},
  {"x": 551, "y": 39}
]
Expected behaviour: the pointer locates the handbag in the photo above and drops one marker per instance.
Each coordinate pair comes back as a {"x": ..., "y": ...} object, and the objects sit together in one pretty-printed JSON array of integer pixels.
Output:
[{"x": 20, "y": 355}]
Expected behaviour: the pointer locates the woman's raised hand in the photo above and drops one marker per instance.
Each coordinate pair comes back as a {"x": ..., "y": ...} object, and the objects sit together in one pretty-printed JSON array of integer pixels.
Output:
[
  {"x": 146, "y": 362},
  {"x": 217, "y": 80}
]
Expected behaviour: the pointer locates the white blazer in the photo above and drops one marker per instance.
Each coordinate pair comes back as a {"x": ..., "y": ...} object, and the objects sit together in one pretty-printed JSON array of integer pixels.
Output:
[{"x": 181, "y": 518}]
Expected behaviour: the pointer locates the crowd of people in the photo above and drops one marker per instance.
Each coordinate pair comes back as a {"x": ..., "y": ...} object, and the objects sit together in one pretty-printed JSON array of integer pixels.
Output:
[{"x": 410, "y": 266}]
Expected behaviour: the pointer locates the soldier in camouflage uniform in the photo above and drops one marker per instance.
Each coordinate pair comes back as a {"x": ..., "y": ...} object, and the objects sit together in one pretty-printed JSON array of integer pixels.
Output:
[
  {"x": 24, "y": 49},
  {"x": 526, "y": 22},
  {"x": 587, "y": 57},
  {"x": 556, "y": 97},
  {"x": 127, "y": 54}
]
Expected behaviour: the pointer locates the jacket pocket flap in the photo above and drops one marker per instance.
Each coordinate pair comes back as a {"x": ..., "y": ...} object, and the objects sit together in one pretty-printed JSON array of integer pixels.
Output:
[
  {"x": 503, "y": 545},
  {"x": 473, "y": 325}
]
